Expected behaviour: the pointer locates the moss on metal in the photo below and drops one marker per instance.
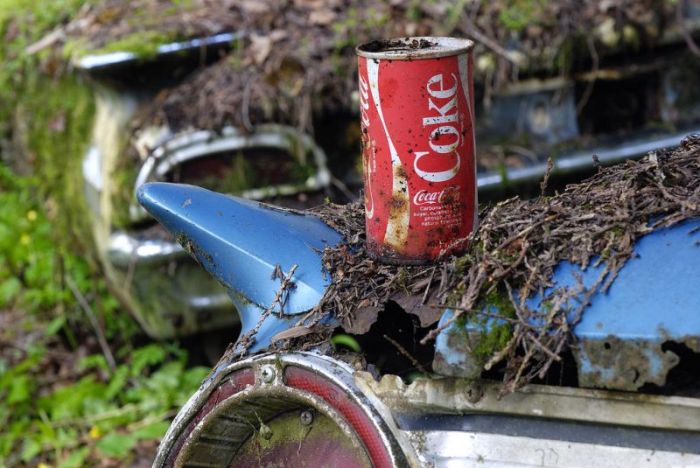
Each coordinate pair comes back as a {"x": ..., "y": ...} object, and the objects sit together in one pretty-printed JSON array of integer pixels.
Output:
[
  {"x": 46, "y": 115},
  {"x": 513, "y": 254}
]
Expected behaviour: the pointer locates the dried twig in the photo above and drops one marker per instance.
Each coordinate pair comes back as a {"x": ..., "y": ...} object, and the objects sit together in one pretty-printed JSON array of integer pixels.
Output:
[
  {"x": 405, "y": 353},
  {"x": 278, "y": 302},
  {"x": 520, "y": 243},
  {"x": 85, "y": 306}
]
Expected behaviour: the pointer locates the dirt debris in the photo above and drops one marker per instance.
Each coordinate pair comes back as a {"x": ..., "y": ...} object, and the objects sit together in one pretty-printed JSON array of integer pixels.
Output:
[
  {"x": 513, "y": 254},
  {"x": 296, "y": 57}
]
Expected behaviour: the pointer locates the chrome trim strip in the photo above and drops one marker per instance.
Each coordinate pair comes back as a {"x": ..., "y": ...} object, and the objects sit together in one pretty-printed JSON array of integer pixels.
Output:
[
  {"x": 582, "y": 160},
  {"x": 201, "y": 143},
  {"x": 457, "y": 448},
  {"x": 124, "y": 250},
  {"x": 459, "y": 396},
  {"x": 212, "y": 302}
]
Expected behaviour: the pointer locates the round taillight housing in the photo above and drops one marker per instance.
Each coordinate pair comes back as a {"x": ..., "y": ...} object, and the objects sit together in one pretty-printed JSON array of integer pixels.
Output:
[{"x": 297, "y": 409}]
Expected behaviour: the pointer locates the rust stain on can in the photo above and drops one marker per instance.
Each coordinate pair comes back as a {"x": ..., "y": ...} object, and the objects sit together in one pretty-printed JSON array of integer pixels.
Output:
[{"x": 416, "y": 104}]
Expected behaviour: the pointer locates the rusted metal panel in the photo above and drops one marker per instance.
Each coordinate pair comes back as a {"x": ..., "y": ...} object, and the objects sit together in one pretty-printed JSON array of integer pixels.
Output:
[
  {"x": 654, "y": 300},
  {"x": 620, "y": 341}
]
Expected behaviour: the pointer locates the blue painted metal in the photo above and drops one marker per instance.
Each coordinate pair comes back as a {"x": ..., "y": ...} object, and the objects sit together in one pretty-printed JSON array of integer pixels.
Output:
[
  {"x": 240, "y": 242},
  {"x": 654, "y": 299}
]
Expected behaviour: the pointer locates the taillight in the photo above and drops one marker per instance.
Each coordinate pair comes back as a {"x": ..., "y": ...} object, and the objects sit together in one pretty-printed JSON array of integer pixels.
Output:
[{"x": 297, "y": 409}]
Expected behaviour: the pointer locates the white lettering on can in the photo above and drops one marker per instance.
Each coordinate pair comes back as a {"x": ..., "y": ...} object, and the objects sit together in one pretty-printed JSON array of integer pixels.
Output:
[{"x": 443, "y": 101}]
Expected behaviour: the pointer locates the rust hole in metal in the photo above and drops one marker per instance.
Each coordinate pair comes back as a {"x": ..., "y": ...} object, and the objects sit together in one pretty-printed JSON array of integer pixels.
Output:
[{"x": 684, "y": 378}]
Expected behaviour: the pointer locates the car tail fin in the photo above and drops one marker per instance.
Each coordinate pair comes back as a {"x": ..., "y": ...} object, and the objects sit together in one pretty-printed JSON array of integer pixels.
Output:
[{"x": 247, "y": 246}]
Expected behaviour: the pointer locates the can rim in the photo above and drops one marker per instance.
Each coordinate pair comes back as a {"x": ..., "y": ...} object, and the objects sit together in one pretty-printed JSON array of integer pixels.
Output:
[{"x": 410, "y": 48}]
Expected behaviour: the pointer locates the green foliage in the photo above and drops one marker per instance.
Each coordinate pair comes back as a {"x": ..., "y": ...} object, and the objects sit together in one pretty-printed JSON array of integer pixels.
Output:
[
  {"x": 95, "y": 417},
  {"x": 518, "y": 14},
  {"x": 26, "y": 247},
  {"x": 103, "y": 412},
  {"x": 57, "y": 408}
]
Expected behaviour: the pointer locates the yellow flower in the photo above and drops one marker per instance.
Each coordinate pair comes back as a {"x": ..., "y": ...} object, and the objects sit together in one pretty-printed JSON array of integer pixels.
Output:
[
  {"x": 43, "y": 465},
  {"x": 24, "y": 239},
  {"x": 31, "y": 215},
  {"x": 95, "y": 432}
]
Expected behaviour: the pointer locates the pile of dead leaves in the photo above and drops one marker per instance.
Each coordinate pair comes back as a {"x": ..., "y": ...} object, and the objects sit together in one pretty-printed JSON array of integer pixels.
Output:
[
  {"x": 514, "y": 252},
  {"x": 296, "y": 56}
]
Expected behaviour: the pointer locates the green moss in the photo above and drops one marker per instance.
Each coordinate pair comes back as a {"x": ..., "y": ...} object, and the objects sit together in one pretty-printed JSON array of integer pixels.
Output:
[
  {"x": 23, "y": 23},
  {"x": 143, "y": 44},
  {"x": 123, "y": 178},
  {"x": 402, "y": 277},
  {"x": 488, "y": 335},
  {"x": 35, "y": 18},
  {"x": 53, "y": 120},
  {"x": 463, "y": 263},
  {"x": 492, "y": 341},
  {"x": 518, "y": 14},
  {"x": 500, "y": 303}
]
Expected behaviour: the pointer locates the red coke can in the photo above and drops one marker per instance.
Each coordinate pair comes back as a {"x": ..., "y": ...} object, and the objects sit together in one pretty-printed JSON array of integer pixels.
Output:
[{"x": 417, "y": 116}]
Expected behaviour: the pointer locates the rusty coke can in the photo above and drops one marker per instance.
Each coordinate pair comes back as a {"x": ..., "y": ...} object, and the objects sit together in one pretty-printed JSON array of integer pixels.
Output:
[{"x": 417, "y": 117}]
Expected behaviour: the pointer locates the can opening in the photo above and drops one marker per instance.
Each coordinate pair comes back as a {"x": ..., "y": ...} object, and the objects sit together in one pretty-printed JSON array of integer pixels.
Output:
[
  {"x": 399, "y": 45},
  {"x": 412, "y": 48}
]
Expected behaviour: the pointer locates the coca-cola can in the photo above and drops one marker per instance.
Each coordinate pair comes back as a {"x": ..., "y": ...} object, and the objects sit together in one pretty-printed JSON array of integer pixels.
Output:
[{"x": 417, "y": 117}]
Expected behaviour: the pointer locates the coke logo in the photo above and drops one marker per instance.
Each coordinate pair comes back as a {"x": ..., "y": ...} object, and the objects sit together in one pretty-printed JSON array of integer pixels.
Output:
[
  {"x": 447, "y": 195},
  {"x": 444, "y": 123}
]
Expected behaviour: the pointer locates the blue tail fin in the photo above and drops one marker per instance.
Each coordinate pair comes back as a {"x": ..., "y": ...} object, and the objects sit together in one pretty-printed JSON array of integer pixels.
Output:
[{"x": 241, "y": 243}]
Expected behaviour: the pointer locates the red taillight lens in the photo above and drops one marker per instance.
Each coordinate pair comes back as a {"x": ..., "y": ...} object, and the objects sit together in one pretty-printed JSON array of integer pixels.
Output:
[{"x": 305, "y": 380}]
